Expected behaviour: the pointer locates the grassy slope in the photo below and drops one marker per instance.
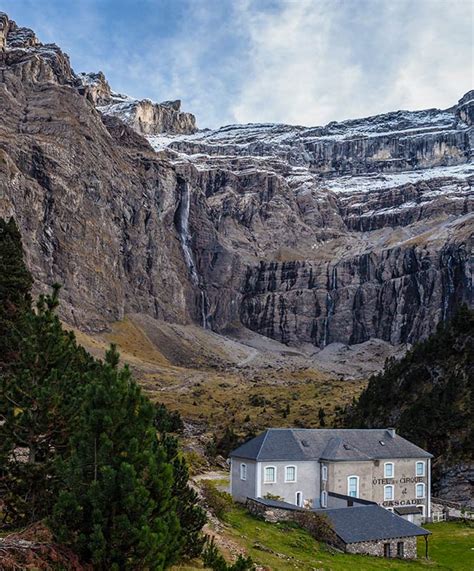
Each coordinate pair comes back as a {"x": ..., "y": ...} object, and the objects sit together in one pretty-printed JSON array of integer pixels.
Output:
[{"x": 451, "y": 548}]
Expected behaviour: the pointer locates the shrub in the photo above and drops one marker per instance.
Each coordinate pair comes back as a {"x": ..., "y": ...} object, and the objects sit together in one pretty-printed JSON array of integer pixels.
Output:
[
  {"x": 317, "y": 525},
  {"x": 217, "y": 502},
  {"x": 213, "y": 559}
]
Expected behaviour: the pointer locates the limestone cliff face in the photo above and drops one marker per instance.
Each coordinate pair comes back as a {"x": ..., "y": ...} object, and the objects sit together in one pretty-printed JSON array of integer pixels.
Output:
[
  {"x": 307, "y": 253},
  {"x": 144, "y": 116},
  {"x": 345, "y": 232},
  {"x": 94, "y": 202}
]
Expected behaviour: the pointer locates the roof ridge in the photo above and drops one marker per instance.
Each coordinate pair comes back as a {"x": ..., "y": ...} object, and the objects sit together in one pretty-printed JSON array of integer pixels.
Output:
[{"x": 263, "y": 442}]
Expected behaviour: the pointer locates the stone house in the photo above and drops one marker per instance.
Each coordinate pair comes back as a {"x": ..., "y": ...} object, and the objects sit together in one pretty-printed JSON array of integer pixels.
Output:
[
  {"x": 361, "y": 528},
  {"x": 301, "y": 467}
]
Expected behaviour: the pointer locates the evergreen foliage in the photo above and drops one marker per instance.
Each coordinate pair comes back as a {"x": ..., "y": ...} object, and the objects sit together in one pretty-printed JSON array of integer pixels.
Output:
[
  {"x": 428, "y": 394},
  {"x": 39, "y": 392},
  {"x": 117, "y": 508},
  {"x": 15, "y": 290},
  {"x": 167, "y": 420},
  {"x": 191, "y": 516},
  {"x": 224, "y": 444},
  {"x": 214, "y": 560},
  {"x": 78, "y": 440}
]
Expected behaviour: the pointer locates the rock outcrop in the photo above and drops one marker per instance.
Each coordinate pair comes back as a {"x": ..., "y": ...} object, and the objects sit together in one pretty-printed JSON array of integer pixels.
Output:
[
  {"x": 340, "y": 233},
  {"x": 144, "y": 116}
]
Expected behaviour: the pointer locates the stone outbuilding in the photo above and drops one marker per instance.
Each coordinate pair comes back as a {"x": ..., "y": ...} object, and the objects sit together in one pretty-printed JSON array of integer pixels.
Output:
[
  {"x": 373, "y": 530},
  {"x": 363, "y": 528}
]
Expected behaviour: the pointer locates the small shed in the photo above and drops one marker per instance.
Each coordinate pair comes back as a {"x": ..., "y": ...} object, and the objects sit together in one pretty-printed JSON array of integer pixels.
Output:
[{"x": 373, "y": 530}]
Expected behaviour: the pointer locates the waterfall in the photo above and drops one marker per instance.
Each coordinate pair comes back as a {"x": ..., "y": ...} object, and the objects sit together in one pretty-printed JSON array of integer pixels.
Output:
[
  {"x": 449, "y": 287},
  {"x": 182, "y": 225},
  {"x": 329, "y": 313},
  {"x": 330, "y": 305}
]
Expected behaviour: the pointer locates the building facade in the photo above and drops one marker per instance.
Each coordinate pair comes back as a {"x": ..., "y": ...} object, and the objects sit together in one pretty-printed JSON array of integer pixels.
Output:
[{"x": 301, "y": 467}]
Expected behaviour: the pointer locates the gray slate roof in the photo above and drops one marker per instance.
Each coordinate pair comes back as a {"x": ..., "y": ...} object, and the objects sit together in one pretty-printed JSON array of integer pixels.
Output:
[
  {"x": 295, "y": 444},
  {"x": 370, "y": 523}
]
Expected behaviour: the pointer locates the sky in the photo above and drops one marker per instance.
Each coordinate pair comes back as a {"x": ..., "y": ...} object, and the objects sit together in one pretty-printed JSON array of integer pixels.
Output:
[{"x": 305, "y": 62}]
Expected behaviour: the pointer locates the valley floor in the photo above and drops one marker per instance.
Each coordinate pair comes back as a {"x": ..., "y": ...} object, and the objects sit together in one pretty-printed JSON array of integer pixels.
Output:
[{"x": 241, "y": 379}]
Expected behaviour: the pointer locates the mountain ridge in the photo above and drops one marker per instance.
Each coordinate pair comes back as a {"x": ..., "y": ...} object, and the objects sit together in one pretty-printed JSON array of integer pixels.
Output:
[{"x": 324, "y": 240}]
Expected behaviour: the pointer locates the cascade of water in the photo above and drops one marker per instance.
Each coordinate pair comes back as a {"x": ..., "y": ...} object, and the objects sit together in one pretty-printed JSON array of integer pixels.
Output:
[
  {"x": 330, "y": 306},
  {"x": 449, "y": 289},
  {"x": 182, "y": 223},
  {"x": 329, "y": 313}
]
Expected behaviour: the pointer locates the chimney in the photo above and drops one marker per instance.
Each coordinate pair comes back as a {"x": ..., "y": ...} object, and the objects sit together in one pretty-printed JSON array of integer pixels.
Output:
[{"x": 391, "y": 432}]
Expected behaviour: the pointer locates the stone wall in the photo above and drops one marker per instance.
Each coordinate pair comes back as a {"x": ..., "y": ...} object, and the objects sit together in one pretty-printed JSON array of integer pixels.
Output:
[
  {"x": 376, "y": 548},
  {"x": 270, "y": 514}
]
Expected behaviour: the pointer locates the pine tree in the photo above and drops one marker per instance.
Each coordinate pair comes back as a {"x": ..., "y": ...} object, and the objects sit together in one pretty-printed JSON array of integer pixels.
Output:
[
  {"x": 117, "y": 508},
  {"x": 15, "y": 290},
  {"x": 39, "y": 392},
  {"x": 191, "y": 516},
  {"x": 322, "y": 417}
]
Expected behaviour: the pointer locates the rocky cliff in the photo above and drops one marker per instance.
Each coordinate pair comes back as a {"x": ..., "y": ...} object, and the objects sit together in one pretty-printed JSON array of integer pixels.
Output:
[
  {"x": 343, "y": 233},
  {"x": 144, "y": 116}
]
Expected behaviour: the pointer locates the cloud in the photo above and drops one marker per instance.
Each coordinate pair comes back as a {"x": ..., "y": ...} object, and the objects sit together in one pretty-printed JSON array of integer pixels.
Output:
[
  {"x": 313, "y": 62},
  {"x": 290, "y": 61}
]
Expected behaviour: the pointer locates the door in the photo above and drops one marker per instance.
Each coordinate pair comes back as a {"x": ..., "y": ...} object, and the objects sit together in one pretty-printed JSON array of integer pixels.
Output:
[{"x": 299, "y": 499}]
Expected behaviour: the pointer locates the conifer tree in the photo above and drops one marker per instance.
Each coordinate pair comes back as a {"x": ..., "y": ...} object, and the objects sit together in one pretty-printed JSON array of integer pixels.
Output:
[
  {"x": 191, "y": 516},
  {"x": 117, "y": 508},
  {"x": 39, "y": 392},
  {"x": 15, "y": 289}
]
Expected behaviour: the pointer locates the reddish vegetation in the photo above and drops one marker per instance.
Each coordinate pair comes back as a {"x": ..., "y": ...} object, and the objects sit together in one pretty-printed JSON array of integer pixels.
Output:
[{"x": 34, "y": 548}]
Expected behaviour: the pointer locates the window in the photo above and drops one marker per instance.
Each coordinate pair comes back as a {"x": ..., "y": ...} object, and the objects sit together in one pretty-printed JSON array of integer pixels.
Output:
[
  {"x": 299, "y": 499},
  {"x": 270, "y": 474},
  {"x": 422, "y": 508},
  {"x": 388, "y": 470},
  {"x": 353, "y": 486},
  {"x": 389, "y": 509},
  {"x": 386, "y": 550},
  {"x": 400, "y": 549},
  {"x": 324, "y": 499},
  {"x": 243, "y": 471},
  {"x": 325, "y": 473},
  {"x": 290, "y": 474},
  {"x": 420, "y": 490},
  {"x": 420, "y": 468},
  {"x": 388, "y": 492}
]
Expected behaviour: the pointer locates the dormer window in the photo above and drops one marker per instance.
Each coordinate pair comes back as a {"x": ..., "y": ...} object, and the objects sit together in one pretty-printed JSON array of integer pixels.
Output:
[{"x": 388, "y": 470}]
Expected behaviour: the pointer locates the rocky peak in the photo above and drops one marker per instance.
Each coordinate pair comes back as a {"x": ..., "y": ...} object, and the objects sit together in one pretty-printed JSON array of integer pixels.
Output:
[
  {"x": 3, "y": 30},
  {"x": 465, "y": 108},
  {"x": 144, "y": 116},
  {"x": 32, "y": 61},
  {"x": 94, "y": 87}
]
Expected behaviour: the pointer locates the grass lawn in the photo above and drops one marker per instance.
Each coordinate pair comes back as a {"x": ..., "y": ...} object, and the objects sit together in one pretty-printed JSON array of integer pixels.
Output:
[
  {"x": 451, "y": 545},
  {"x": 283, "y": 547}
]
